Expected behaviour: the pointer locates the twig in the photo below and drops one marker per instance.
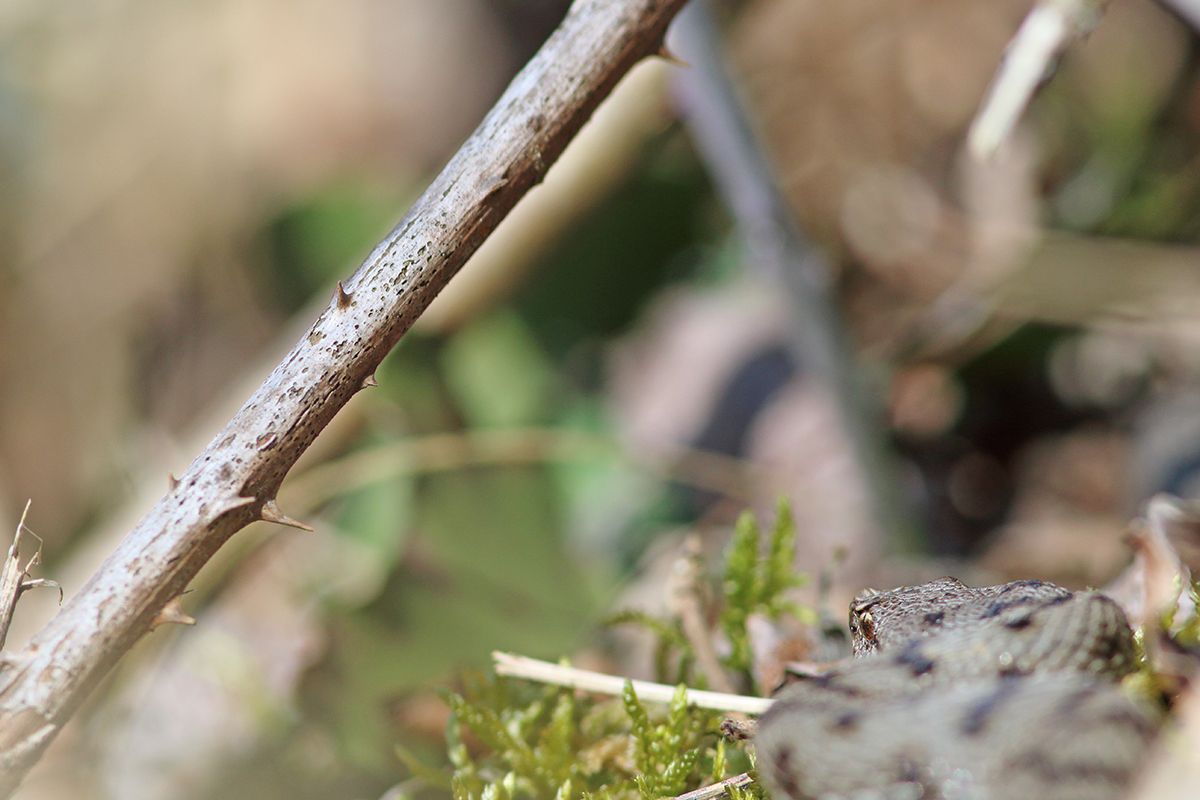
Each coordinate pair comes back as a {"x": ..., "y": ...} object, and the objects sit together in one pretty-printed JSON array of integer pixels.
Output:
[
  {"x": 235, "y": 480},
  {"x": 715, "y": 472},
  {"x": 10, "y": 579},
  {"x": 782, "y": 254},
  {"x": 306, "y": 492},
  {"x": 14, "y": 579},
  {"x": 1049, "y": 28},
  {"x": 588, "y": 681},
  {"x": 716, "y": 790}
]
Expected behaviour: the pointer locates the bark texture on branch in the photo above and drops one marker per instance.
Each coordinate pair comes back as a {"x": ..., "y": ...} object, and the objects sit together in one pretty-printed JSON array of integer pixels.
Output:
[{"x": 235, "y": 480}]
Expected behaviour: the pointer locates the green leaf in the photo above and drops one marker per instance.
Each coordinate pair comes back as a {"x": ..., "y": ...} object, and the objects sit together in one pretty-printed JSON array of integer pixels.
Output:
[
  {"x": 669, "y": 631},
  {"x": 781, "y": 554},
  {"x": 674, "y": 777},
  {"x": 755, "y": 585},
  {"x": 557, "y": 740},
  {"x": 741, "y": 589},
  {"x": 720, "y": 770},
  {"x": 378, "y": 515},
  {"x": 431, "y": 776},
  {"x": 458, "y": 787},
  {"x": 498, "y": 372},
  {"x": 640, "y": 730}
]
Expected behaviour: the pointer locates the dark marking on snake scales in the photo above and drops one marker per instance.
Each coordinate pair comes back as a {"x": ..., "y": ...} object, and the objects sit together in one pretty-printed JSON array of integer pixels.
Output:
[
  {"x": 915, "y": 659},
  {"x": 999, "y": 693}
]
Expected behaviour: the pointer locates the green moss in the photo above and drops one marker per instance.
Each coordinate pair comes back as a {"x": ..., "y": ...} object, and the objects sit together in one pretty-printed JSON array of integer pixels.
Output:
[
  {"x": 548, "y": 743},
  {"x": 757, "y": 584}
]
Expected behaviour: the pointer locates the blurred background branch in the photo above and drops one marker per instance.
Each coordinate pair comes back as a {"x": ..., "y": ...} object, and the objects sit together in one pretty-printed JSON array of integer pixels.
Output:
[{"x": 182, "y": 184}]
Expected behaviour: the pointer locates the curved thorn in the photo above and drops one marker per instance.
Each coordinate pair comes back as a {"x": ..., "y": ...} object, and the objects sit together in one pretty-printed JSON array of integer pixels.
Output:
[
  {"x": 369, "y": 381},
  {"x": 671, "y": 58},
  {"x": 42, "y": 583},
  {"x": 342, "y": 297},
  {"x": 172, "y": 613},
  {"x": 172, "y": 482},
  {"x": 271, "y": 513}
]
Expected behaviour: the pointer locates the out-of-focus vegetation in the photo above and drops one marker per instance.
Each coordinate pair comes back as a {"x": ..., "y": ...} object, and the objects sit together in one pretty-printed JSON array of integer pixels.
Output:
[
  {"x": 538, "y": 741},
  {"x": 553, "y": 743},
  {"x": 181, "y": 183}
]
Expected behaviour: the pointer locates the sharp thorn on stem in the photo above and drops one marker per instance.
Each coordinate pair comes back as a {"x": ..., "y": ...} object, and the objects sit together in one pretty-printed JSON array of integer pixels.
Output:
[
  {"x": 43, "y": 583},
  {"x": 342, "y": 297},
  {"x": 172, "y": 613},
  {"x": 271, "y": 513},
  {"x": 671, "y": 58}
]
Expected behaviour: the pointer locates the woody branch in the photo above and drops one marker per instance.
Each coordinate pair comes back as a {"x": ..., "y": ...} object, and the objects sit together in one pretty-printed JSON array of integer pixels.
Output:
[{"x": 235, "y": 480}]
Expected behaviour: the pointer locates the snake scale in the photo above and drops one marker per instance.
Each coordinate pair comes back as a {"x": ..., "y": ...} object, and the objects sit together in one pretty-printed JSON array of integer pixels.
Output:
[{"x": 1007, "y": 692}]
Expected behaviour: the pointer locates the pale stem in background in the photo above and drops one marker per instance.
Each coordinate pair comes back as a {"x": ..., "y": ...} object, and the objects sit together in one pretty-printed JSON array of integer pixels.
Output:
[
  {"x": 1050, "y": 27},
  {"x": 779, "y": 252},
  {"x": 588, "y": 681}
]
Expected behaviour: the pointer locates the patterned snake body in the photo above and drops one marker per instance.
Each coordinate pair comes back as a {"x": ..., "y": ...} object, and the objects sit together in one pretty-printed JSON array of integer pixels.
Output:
[{"x": 1003, "y": 693}]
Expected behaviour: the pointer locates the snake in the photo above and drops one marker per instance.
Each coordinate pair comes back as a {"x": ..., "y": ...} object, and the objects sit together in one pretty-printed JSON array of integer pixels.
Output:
[{"x": 1009, "y": 692}]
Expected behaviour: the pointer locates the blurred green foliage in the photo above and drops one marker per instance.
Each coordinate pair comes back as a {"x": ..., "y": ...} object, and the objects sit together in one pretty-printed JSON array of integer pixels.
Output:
[
  {"x": 514, "y": 556},
  {"x": 554, "y": 744},
  {"x": 593, "y": 284},
  {"x": 1122, "y": 160},
  {"x": 757, "y": 584},
  {"x": 549, "y": 743},
  {"x": 480, "y": 363},
  {"x": 311, "y": 244},
  {"x": 757, "y": 579}
]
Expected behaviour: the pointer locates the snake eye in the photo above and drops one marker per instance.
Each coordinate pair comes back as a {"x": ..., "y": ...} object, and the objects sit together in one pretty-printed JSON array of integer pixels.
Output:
[{"x": 862, "y": 626}]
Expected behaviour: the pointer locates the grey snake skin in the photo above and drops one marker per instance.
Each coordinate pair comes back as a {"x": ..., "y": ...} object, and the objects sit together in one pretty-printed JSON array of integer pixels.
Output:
[{"x": 1007, "y": 692}]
